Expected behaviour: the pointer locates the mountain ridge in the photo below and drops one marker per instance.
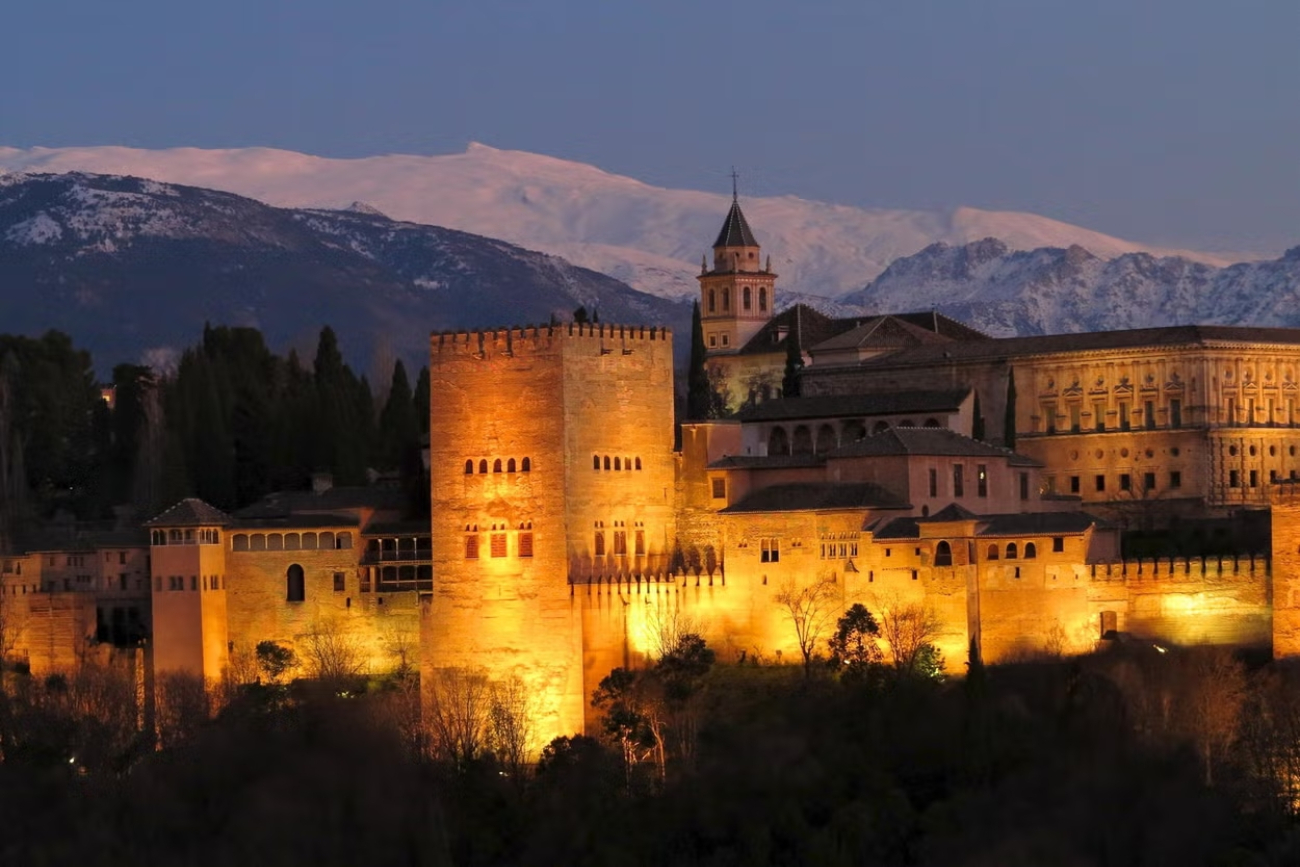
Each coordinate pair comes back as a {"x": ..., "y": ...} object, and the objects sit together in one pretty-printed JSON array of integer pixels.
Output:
[{"x": 649, "y": 237}]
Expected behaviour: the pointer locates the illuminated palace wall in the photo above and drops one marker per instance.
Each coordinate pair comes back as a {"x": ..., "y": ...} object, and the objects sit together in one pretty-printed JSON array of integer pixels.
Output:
[
  {"x": 550, "y": 458},
  {"x": 557, "y": 500}
]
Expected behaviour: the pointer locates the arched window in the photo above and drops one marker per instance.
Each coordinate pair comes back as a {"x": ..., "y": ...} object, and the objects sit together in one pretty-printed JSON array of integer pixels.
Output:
[
  {"x": 638, "y": 463},
  {"x": 777, "y": 444},
  {"x": 469, "y": 468},
  {"x": 881, "y": 427},
  {"x": 853, "y": 431},
  {"x": 907, "y": 422},
  {"x": 292, "y": 541},
  {"x": 343, "y": 541},
  {"x": 803, "y": 444},
  {"x": 825, "y": 439},
  {"x": 1031, "y": 551},
  {"x": 712, "y": 302},
  {"x": 943, "y": 554},
  {"x": 618, "y": 465},
  {"x": 258, "y": 542},
  {"x": 240, "y": 542},
  {"x": 993, "y": 552},
  {"x": 482, "y": 466},
  {"x": 510, "y": 465},
  {"x": 528, "y": 465},
  {"x": 326, "y": 541},
  {"x": 600, "y": 543},
  {"x": 595, "y": 462},
  {"x": 932, "y": 422},
  {"x": 309, "y": 541},
  {"x": 726, "y": 300},
  {"x": 1011, "y": 550},
  {"x": 606, "y": 461},
  {"x": 295, "y": 584},
  {"x": 762, "y": 299},
  {"x": 496, "y": 465},
  {"x": 274, "y": 542},
  {"x": 627, "y": 464},
  {"x": 746, "y": 298}
]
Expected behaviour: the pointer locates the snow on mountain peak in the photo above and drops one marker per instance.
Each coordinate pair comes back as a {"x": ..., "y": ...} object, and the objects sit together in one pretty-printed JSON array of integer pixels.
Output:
[{"x": 648, "y": 236}]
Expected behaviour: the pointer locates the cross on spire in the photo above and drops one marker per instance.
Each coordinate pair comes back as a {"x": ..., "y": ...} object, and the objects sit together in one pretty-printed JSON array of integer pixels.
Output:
[{"x": 735, "y": 196}]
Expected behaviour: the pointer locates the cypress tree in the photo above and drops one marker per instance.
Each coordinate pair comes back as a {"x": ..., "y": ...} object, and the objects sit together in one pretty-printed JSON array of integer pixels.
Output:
[
  {"x": 977, "y": 424},
  {"x": 420, "y": 399},
  {"x": 398, "y": 429},
  {"x": 697, "y": 377},
  {"x": 793, "y": 363},
  {"x": 1009, "y": 421}
]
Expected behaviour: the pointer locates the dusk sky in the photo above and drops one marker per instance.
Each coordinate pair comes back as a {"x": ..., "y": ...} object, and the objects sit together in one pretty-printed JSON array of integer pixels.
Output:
[{"x": 1164, "y": 121}]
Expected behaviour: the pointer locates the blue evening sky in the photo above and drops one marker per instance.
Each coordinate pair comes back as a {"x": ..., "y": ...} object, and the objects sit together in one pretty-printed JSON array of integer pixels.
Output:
[{"x": 1165, "y": 121}]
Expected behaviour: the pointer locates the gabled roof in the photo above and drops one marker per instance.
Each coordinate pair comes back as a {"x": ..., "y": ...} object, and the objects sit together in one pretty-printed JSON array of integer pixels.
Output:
[
  {"x": 812, "y": 326},
  {"x": 840, "y": 405},
  {"x": 191, "y": 512},
  {"x": 926, "y": 441},
  {"x": 735, "y": 231},
  {"x": 1002, "y": 348},
  {"x": 951, "y": 512},
  {"x": 817, "y": 497},
  {"x": 335, "y": 499},
  {"x": 766, "y": 462},
  {"x": 882, "y": 333},
  {"x": 1003, "y": 525}
]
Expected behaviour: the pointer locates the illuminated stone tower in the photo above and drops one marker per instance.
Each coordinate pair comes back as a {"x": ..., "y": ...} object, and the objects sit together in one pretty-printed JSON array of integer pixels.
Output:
[
  {"x": 188, "y": 565},
  {"x": 736, "y": 295},
  {"x": 550, "y": 459}
]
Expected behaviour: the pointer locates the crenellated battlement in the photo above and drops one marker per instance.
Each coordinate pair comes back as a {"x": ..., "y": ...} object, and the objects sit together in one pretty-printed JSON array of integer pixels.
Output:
[
  {"x": 1242, "y": 567},
  {"x": 533, "y": 338}
]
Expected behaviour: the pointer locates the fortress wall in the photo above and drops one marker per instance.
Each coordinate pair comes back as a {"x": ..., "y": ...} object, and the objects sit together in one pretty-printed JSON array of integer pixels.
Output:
[
  {"x": 1286, "y": 573},
  {"x": 1030, "y": 607},
  {"x": 1186, "y": 601},
  {"x": 54, "y": 630},
  {"x": 381, "y": 628}
]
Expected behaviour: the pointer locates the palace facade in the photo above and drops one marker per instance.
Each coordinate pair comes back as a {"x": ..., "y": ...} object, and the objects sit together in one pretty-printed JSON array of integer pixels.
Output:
[{"x": 571, "y": 535}]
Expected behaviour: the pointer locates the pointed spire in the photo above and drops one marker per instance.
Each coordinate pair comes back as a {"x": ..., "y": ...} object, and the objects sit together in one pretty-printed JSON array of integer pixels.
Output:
[{"x": 735, "y": 231}]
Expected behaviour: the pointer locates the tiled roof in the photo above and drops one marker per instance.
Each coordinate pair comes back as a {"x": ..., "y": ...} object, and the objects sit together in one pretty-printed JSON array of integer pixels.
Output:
[
  {"x": 813, "y": 327},
  {"x": 766, "y": 462},
  {"x": 1016, "y": 524},
  {"x": 951, "y": 512},
  {"x": 191, "y": 512},
  {"x": 884, "y": 332},
  {"x": 835, "y": 406},
  {"x": 1096, "y": 341},
  {"x": 303, "y": 521},
  {"x": 335, "y": 499},
  {"x": 925, "y": 441},
  {"x": 735, "y": 231},
  {"x": 818, "y": 496}
]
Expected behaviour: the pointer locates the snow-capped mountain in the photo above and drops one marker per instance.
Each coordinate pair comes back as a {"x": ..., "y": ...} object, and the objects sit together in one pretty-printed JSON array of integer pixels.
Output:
[
  {"x": 1053, "y": 290},
  {"x": 128, "y": 265},
  {"x": 649, "y": 237}
]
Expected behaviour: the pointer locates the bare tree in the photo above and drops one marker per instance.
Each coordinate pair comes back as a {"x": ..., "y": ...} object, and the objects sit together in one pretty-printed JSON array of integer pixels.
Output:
[
  {"x": 811, "y": 610},
  {"x": 459, "y": 708},
  {"x": 667, "y": 625},
  {"x": 181, "y": 705},
  {"x": 1213, "y": 692},
  {"x": 909, "y": 630},
  {"x": 331, "y": 655},
  {"x": 511, "y": 712}
]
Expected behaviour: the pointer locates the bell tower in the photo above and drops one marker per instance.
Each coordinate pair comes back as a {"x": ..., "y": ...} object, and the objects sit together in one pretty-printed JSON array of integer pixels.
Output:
[{"x": 737, "y": 294}]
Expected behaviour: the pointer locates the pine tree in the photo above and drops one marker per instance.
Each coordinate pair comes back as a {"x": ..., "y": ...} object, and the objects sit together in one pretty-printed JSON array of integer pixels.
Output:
[
  {"x": 1009, "y": 421},
  {"x": 697, "y": 376}
]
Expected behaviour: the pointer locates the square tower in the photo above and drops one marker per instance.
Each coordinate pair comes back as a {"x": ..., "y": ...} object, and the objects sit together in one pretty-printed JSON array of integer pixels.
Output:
[{"x": 550, "y": 461}]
